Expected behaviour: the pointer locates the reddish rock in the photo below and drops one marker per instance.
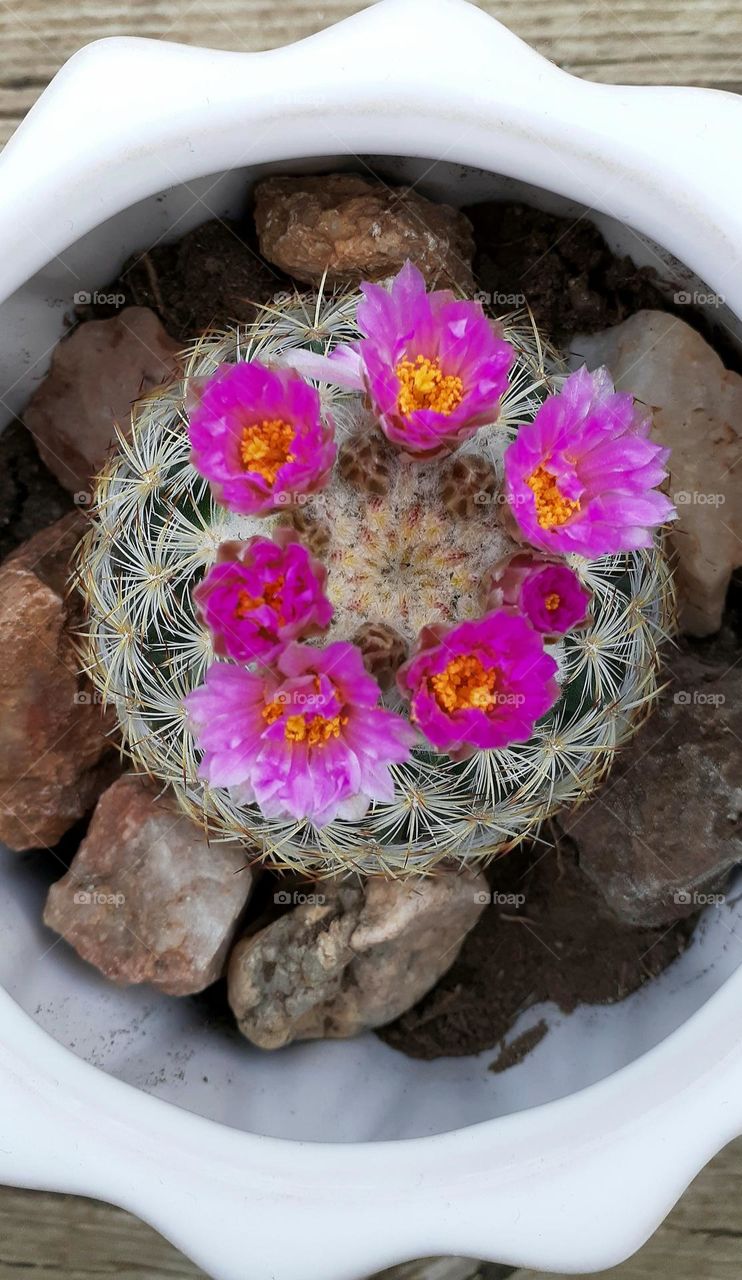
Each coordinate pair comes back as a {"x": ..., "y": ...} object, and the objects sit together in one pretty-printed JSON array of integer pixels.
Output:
[
  {"x": 96, "y": 374},
  {"x": 350, "y": 957},
  {"x": 55, "y": 758},
  {"x": 358, "y": 229},
  {"x": 665, "y": 831},
  {"x": 146, "y": 898}
]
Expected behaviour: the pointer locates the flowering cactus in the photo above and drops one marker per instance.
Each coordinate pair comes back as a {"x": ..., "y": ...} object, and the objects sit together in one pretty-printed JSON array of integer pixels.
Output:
[
  {"x": 304, "y": 740},
  {"x": 582, "y": 476},
  {"x": 258, "y": 437},
  {"x": 245, "y": 589},
  {"x": 545, "y": 590},
  {"x": 482, "y": 684},
  {"x": 435, "y": 368},
  {"x": 260, "y": 595}
]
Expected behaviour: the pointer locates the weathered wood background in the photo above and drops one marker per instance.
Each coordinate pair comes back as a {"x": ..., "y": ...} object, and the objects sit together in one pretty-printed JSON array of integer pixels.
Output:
[{"x": 636, "y": 41}]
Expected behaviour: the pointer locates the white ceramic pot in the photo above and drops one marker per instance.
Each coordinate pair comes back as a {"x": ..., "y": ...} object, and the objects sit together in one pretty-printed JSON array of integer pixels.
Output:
[{"x": 329, "y": 1161}]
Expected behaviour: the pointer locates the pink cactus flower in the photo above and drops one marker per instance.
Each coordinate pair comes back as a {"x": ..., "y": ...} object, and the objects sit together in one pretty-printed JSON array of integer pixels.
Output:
[
  {"x": 546, "y": 591},
  {"x": 258, "y": 437},
  {"x": 581, "y": 477},
  {"x": 434, "y": 367},
  {"x": 480, "y": 684},
  {"x": 260, "y": 595},
  {"x": 306, "y": 740}
]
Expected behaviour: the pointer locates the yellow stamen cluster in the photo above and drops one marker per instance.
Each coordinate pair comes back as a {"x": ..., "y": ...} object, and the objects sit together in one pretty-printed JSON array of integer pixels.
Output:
[
  {"x": 552, "y": 601},
  {"x": 265, "y": 447},
  {"x": 313, "y": 730},
  {"x": 552, "y": 508},
  {"x": 273, "y": 711},
  {"x": 425, "y": 386},
  {"x": 271, "y": 596},
  {"x": 465, "y": 683}
]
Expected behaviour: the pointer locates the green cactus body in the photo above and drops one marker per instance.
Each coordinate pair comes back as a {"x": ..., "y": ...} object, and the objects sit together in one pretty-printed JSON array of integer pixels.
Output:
[{"x": 405, "y": 544}]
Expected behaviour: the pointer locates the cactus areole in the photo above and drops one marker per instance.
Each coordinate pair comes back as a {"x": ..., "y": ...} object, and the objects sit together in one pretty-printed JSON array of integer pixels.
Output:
[{"x": 375, "y": 584}]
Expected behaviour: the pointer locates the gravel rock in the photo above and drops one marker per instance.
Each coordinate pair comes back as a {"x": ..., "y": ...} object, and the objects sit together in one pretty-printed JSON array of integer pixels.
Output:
[
  {"x": 697, "y": 407},
  {"x": 146, "y": 899},
  {"x": 665, "y": 831},
  {"x": 95, "y": 376},
  {"x": 360, "y": 229},
  {"x": 55, "y": 758},
  {"x": 354, "y": 958}
]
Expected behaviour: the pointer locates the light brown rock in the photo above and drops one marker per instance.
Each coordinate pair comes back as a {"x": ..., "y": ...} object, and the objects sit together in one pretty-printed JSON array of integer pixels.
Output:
[
  {"x": 358, "y": 229},
  {"x": 697, "y": 406},
  {"x": 95, "y": 376},
  {"x": 146, "y": 899},
  {"x": 55, "y": 757},
  {"x": 665, "y": 831},
  {"x": 356, "y": 957}
]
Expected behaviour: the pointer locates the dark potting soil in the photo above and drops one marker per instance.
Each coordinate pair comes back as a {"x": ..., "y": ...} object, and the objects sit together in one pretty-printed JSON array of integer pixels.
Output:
[
  {"x": 563, "y": 267},
  {"x": 569, "y": 277},
  {"x": 210, "y": 278},
  {"x": 546, "y": 936},
  {"x": 30, "y": 497}
]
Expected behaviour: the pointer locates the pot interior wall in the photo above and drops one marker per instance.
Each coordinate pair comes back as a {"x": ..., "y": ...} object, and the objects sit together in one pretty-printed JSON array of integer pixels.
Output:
[{"x": 182, "y": 1050}]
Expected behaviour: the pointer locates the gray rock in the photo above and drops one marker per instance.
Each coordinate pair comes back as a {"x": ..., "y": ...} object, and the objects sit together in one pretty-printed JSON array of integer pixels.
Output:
[
  {"x": 146, "y": 899},
  {"x": 697, "y": 407},
  {"x": 356, "y": 957},
  {"x": 664, "y": 832}
]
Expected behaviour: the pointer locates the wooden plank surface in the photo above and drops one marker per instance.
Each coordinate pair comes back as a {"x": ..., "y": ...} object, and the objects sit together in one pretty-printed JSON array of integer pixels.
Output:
[{"x": 635, "y": 41}]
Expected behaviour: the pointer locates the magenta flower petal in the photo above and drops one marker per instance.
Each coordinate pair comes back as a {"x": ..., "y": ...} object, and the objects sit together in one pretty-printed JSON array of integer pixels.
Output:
[
  {"x": 258, "y": 437},
  {"x": 481, "y": 684},
  {"x": 435, "y": 368},
  {"x": 307, "y": 740},
  {"x": 581, "y": 477},
  {"x": 227, "y": 715},
  {"x": 546, "y": 591},
  {"x": 260, "y": 595}
]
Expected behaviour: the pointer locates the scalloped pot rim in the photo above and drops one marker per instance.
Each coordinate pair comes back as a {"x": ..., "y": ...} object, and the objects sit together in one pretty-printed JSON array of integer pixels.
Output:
[{"x": 575, "y": 1184}]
